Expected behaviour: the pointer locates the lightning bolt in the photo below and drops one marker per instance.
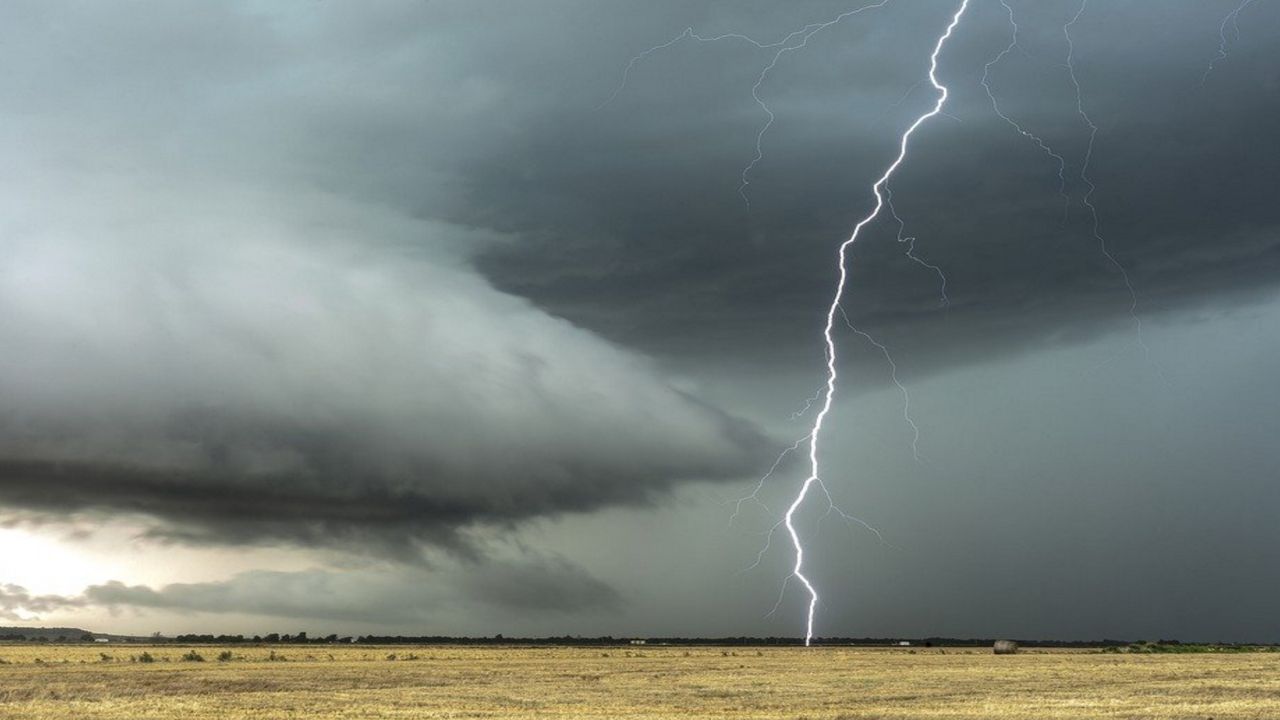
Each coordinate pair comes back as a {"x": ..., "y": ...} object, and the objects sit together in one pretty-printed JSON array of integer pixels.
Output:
[
  {"x": 811, "y": 30},
  {"x": 911, "y": 254},
  {"x": 893, "y": 375},
  {"x": 824, "y": 398},
  {"x": 690, "y": 34},
  {"x": 755, "y": 494},
  {"x": 832, "y": 508},
  {"x": 795, "y": 40},
  {"x": 1090, "y": 188},
  {"x": 808, "y": 404},
  {"x": 878, "y": 189},
  {"x": 1040, "y": 143},
  {"x": 1233, "y": 19}
]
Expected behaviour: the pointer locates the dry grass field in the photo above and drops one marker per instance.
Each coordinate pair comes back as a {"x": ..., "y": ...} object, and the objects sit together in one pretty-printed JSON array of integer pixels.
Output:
[{"x": 643, "y": 682}]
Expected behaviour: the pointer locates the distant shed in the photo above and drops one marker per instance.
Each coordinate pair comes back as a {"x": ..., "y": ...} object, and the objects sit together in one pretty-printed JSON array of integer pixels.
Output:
[{"x": 1005, "y": 647}]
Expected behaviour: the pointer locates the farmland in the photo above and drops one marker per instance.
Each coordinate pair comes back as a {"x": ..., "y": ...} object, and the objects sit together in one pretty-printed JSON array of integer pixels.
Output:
[{"x": 359, "y": 681}]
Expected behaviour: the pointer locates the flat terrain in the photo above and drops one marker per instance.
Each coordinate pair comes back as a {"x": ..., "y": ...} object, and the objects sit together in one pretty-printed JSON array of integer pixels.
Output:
[{"x": 322, "y": 681}]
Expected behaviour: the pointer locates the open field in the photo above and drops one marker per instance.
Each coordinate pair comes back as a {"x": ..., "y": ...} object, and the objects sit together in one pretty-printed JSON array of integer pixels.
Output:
[{"x": 322, "y": 681}]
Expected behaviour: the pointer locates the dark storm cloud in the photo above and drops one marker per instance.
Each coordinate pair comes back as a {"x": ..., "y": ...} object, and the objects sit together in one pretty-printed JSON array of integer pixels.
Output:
[
  {"x": 658, "y": 250},
  {"x": 625, "y": 219},
  {"x": 267, "y": 266},
  {"x": 273, "y": 391},
  {"x": 343, "y": 502},
  {"x": 217, "y": 316}
]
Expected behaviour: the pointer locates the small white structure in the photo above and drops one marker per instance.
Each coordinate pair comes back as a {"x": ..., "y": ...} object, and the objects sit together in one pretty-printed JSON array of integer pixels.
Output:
[
  {"x": 637, "y": 642},
  {"x": 904, "y": 643},
  {"x": 102, "y": 639}
]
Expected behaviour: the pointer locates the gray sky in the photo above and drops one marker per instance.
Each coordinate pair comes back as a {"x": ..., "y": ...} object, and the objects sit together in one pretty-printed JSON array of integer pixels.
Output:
[{"x": 415, "y": 318}]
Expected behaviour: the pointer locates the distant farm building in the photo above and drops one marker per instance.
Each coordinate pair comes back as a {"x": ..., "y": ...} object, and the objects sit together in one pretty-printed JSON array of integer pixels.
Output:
[
  {"x": 637, "y": 642},
  {"x": 102, "y": 639},
  {"x": 904, "y": 643},
  {"x": 1005, "y": 647}
]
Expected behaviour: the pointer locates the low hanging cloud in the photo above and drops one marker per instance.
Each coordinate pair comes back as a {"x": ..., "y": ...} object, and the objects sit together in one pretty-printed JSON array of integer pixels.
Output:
[
  {"x": 298, "y": 368},
  {"x": 18, "y": 603},
  {"x": 211, "y": 319},
  {"x": 531, "y": 586},
  {"x": 390, "y": 598}
]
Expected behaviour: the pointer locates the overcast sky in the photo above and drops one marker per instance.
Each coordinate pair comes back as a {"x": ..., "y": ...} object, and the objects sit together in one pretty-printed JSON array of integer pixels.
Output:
[{"x": 479, "y": 317}]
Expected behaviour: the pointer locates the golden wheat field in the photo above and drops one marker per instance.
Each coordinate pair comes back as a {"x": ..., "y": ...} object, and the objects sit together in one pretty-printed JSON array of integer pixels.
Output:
[{"x": 82, "y": 681}]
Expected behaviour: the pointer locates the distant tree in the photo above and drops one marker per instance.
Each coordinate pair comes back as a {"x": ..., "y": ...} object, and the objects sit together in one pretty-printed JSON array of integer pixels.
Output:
[{"x": 272, "y": 637}]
